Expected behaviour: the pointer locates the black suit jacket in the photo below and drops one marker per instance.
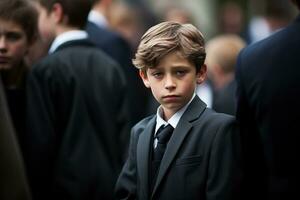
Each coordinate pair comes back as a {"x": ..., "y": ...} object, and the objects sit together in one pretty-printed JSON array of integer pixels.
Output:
[
  {"x": 77, "y": 122},
  {"x": 224, "y": 100},
  {"x": 268, "y": 112},
  {"x": 200, "y": 162},
  {"x": 118, "y": 49}
]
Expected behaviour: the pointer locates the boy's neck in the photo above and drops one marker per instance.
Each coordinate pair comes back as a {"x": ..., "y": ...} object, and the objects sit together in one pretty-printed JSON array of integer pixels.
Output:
[{"x": 165, "y": 115}]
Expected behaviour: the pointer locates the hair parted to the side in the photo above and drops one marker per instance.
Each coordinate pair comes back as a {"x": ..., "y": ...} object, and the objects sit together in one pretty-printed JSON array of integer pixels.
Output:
[
  {"x": 75, "y": 10},
  {"x": 167, "y": 37},
  {"x": 23, "y": 13}
]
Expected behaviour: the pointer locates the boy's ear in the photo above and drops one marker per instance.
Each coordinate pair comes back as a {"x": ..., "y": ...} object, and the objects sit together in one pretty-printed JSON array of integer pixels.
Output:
[
  {"x": 201, "y": 75},
  {"x": 144, "y": 78},
  {"x": 58, "y": 12}
]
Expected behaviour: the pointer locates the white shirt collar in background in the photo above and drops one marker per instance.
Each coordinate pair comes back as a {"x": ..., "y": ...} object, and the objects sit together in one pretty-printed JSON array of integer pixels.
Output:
[
  {"x": 67, "y": 36},
  {"x": 97, "y": 18}
]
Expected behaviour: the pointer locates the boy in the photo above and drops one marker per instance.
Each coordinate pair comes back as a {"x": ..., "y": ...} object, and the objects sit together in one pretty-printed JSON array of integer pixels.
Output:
[
  {"x": 18, "y": 30},
  {"x": 77, "y": 110},
  {"x": 18, "y": 20},
  {"x": 199, "y": 161}
]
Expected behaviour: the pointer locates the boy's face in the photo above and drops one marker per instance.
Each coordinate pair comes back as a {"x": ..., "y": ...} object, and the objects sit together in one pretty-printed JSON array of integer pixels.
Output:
[
  {"x": 46, "y": 24},
  {"x": 13, "y": 44},
  {"x": 173, "y": 82}
]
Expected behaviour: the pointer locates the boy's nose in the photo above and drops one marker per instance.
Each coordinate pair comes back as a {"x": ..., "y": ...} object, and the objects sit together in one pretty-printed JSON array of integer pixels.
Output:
[
  {"x": 3, "y": 45},
  {"x": 169, "y": 83}
]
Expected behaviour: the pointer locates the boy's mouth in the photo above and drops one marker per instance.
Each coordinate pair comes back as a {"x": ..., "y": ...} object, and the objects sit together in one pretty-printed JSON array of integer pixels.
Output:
[
  {"x": 4, "y": 59},
  {"x": 170, "y": 97}
]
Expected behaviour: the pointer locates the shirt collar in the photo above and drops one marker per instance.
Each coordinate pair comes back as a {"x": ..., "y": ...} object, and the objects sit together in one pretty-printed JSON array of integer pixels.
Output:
[
  {"x": 97, "y": 18},
  {"x": 67, "y": 36},
  {"x": 173, "y": 121}
]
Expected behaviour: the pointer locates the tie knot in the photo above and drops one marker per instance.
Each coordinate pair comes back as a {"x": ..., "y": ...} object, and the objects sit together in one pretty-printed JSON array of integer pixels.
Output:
[{"x": 164, "y": 133}]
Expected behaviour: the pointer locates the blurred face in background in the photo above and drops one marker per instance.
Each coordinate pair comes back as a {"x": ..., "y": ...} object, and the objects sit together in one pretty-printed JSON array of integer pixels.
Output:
[
  {"x": 13, "y": 44},
  {"x": 46, "y": 23}
]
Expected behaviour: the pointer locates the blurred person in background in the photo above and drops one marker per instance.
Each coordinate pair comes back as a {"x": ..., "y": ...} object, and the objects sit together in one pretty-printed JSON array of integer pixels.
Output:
[
  {"x": 18, "y": 31},
  {"x": 231, "y": 19},
  {"x": 268, "y": 87},
  {"x": 177, "y": 14},
  {"x": 222, "y": 52},
  {"x": 18, "y": 20},
  {"x": 117, "y": 48},
  {"x": 125, "y": 19},
  {"x": 13, "y": 182},
  {"x": 77, "y": 110},
  {"x": 277, "y": 14}
]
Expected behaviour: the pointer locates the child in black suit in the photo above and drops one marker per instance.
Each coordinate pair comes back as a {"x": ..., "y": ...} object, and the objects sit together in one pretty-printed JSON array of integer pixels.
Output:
[
  {"x": 77, "y": 110},
  {"x": 200, "y": 160}
]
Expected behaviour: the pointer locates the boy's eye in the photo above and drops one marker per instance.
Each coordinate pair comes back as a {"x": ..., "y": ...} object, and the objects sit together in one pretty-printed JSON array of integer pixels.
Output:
[
  {"x": 13, "y": 36},
  {"x": 157, "y": 74},
  {"x": 180, "y": 72}
]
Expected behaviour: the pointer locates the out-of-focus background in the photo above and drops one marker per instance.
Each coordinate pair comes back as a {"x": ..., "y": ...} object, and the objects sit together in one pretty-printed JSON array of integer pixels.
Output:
[{"x": 212, "y": 17}]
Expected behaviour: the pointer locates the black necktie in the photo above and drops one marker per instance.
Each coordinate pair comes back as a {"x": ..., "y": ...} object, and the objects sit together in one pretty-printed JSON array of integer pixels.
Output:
[{"x": 163, "y": 135}]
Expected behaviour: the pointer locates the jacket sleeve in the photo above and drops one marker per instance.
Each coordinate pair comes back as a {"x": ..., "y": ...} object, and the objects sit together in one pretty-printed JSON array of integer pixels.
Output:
[
  {"x": 126, "y": 186},
  {"x": 40, "y": 130},
  {"x": 224, "y": 171}
]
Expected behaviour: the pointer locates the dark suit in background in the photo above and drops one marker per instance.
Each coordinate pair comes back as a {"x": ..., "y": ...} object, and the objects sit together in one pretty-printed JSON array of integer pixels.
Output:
[
  {"x": 118, "y": 49},
  {"x": 13, "y": 183},
  {"x": 78, "y": 123},
  {"x": 268, "y": 112},
  {"x": 224, "y": 100},
  {"x": 200, "y": 161}
]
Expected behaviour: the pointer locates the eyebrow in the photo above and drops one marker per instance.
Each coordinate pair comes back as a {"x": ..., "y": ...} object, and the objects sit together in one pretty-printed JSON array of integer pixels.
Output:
[{"x": 11, "y": 32}]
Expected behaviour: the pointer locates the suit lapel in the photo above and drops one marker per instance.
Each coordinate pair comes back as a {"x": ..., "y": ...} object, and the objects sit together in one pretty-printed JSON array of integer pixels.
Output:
[
  {"x": 192, "y": 113},
  {"x": 143, "y": 152}
]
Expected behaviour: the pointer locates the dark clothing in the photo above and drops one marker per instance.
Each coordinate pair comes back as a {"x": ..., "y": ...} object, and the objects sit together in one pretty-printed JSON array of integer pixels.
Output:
[
  {"x": 16, "y": 101},
  {"x": 224, "y": 100},
  {"x": 77, "y": 122},
  {"x": 111, "y": 43},
  {"x": 268, "y": 112},
  {"x": 117, "y": 47},
  {"x": 13, "y": 182},
  {"x": 200, "y": 161}
]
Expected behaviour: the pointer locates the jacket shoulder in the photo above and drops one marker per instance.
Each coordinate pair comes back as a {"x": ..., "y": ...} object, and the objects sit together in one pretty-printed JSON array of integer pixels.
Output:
[
  {"x": 141, "y": 125},
  {"x": 215, "y": 119}
]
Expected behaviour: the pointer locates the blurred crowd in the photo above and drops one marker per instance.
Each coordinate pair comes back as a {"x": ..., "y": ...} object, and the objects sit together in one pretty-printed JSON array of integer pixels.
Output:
[{"x": 33, "y": 104}]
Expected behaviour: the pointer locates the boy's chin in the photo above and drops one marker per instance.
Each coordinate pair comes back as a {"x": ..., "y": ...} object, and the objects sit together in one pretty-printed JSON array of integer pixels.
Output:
[{"x": 172, "y": 107}]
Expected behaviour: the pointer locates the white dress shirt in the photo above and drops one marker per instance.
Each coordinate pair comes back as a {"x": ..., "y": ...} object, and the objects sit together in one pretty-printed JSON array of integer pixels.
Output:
[{"x": 173, "y": 121}]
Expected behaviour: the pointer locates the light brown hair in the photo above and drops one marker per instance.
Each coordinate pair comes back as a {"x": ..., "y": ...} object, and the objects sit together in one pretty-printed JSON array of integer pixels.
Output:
[
  {"x": 223, "y": 51},
  {"x": 168, "y": 37}
]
